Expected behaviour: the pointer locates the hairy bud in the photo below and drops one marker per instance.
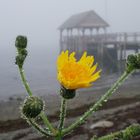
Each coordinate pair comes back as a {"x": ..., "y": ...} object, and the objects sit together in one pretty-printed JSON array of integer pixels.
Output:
[
  {"x": 133, "y": 62},
  {"x": 20, "y": 60},
  {"x": 21, "y": 42},
  {"x": 23, "y": 52},
  {"x": 32, "y": 107},
  {"x": 138, "y": 60}
]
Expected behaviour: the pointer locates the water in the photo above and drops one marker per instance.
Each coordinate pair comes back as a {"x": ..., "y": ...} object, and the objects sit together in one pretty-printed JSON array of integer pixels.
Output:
[{"x": 40, "y": 69}]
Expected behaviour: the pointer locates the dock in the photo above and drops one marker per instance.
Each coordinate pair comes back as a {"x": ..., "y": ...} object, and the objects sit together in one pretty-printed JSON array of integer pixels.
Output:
[{"x": 87, "y": 31}]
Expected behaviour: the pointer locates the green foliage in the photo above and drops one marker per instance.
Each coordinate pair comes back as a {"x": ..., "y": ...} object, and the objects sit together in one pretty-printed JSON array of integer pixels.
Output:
[
  {"x": 33, "y": 106},
  {"x": 128, "y": 134}
]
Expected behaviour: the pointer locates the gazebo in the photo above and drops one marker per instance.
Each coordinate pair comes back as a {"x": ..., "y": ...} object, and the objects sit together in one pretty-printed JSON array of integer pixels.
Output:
[{"x": 81, "y": 22}]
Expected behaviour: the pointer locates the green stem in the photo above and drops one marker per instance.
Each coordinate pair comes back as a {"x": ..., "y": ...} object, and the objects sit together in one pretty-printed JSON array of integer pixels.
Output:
[
  {"x": 37, "y": 127},
  {"x": 62, "y": 113},
  {"x": 25, "y": 81},
  {"x": 27, "y": 87},
  {"x": 99, "y": 103},
  {"x": 58, "y": 137},
  {"x": 47, "y": 123},
  {"x": 128, "y": 134}
]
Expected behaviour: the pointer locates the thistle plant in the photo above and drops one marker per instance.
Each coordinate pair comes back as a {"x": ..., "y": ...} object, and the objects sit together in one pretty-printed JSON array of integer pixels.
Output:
[{"x": 72, "y": 75}]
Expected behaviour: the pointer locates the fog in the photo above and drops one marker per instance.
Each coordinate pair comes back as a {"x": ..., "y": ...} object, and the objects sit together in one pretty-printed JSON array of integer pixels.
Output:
[{"x": 39, "y": 21}]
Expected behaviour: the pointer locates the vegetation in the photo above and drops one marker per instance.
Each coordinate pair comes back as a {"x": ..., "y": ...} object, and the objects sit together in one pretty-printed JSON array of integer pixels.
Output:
[{"x": 72, "y": 74}]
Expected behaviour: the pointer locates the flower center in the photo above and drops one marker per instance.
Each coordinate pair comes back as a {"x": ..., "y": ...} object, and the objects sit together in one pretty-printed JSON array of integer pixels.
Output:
[{"x": 72, "y": 71}]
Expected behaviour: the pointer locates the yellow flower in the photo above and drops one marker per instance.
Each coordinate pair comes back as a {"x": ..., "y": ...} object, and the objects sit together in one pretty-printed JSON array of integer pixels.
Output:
[{"x": 73, "y": 74}]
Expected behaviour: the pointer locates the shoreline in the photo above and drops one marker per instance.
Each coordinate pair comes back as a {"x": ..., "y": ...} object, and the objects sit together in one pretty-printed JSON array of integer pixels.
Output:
[
  {"x": 122, "y": 114},
  {"x": 104, "y": 82},
  {"x": 130, "y": 89},
  {"x": 124, "y": 104}
]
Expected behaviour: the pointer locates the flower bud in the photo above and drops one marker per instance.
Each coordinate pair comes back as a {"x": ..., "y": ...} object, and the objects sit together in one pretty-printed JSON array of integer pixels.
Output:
[
  {"x": 23, "y": 52},
  {"x": 20, "y": 60},
  {"x": 133, "y": 62},
  {"x": 138, "y": 60},
  {"x": 32, "y": 107},
  {"x": 67, "y": 93},
  {"x": 21, "y": 42}
]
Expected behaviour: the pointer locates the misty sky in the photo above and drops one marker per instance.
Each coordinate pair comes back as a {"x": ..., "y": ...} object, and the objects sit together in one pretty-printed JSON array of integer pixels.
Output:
[{"x": 39, "y": 19}]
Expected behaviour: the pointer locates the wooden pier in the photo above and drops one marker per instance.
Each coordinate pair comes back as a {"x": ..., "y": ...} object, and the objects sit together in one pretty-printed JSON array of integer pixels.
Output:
[{"x": 88, "y": 32}]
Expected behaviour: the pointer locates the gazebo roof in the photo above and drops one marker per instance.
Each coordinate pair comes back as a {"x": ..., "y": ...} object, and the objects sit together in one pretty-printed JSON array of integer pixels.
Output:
[{"x": 87, "y": 19}]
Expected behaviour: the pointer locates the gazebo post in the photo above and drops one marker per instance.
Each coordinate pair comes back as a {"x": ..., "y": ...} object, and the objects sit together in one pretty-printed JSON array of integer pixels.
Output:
[
  {"x": 61, "y": 40},
  {"x": 71, "y": 38},
  {"x": 67, "y": 34},
  {"x": 91, "y": 32},
  {"x": 83, "y": 39},
  {"x": 78, "y": 40},
  {"x": 83, "y": 32}
]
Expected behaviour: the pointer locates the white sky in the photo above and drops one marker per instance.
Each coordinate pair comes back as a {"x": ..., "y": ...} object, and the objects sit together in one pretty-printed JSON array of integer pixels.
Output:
[{"x": 39, "y": 19}]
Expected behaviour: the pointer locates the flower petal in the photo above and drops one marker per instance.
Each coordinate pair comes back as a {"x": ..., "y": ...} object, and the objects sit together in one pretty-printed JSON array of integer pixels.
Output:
[{"x": 73, "y": 74}]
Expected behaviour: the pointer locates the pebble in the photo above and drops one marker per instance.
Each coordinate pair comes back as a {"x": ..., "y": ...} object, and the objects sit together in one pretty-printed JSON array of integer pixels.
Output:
[{"x": 102, "y": 124}]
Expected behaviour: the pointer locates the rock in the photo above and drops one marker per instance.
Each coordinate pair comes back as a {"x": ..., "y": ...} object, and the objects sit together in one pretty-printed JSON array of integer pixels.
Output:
[{"x": 102, "y": 123}]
